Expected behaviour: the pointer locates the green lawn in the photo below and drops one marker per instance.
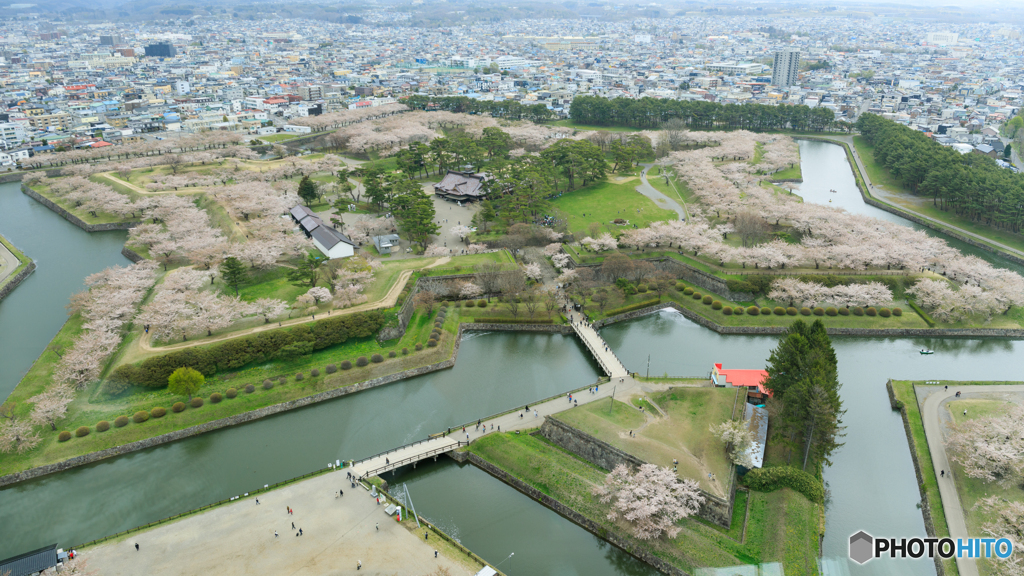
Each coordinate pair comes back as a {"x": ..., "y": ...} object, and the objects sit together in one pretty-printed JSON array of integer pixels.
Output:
[
  {"x": 271, "y": 283},
  {"x": 99, "y": 218},
  {"x": 92, "y": 405},
  {"x": 682, "y": 436},
  {"x": 280, "y": 137},
  {"x": 783, "y": 525},
  {"x": 570, "y": 124},
  {"x": 877, "y": 174},
  {"x": 604, "y": 202}
]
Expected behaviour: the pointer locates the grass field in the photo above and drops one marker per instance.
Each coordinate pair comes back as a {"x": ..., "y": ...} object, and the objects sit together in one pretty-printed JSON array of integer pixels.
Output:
[
  {"x": 604, "y": 202},
  {"x": 788, "y": 174},
  {"x": 92, "y": 406},
  {"x": 783, "y": 525},
  {"x": 682, "y": 435},
  {"x": 23, "y": 261}
]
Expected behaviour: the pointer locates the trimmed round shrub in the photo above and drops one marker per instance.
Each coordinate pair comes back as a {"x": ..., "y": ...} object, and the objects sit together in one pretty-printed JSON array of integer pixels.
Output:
[
  {"x": 82, "y": 431},
  {"x": 870, "y": 311},
  {"x": 779, "y": 311},
  {"x": 268, "y": 381},
  {"x": 376, "y": 358},
  {"x": 140, "y": 417},
  {"x": 331, "y": 369},
  {"x": 458, "y": 304},
  {"x": 346, "y": 365},
  {"x": 641, "y": 288},
  {"x": 405, "y": 351},
  {"x": 196, "y": 402},
  {"x": 844, "y": 311},
  {"x": 697, "y": 295},
  {"x": 470, "y": 303},
  {"x": 216, "y": 397},
  {"x": 392, "y": 354},
  {"x": 884, "y": 312},
  {"x": 314, "y": 372},
  {"x": 64, "y": 436},
  {"x": 431, "y": 343},
  {"x": 419, "y": 346},
  {"x": 231, "y": 393},
  {"x": 481, "y": 303},
  {"x": 791, "y": 311},
  {"x": 102, "y": 426},
  {"x": 707, "y": 300},
  {"x": 362, "y": 361},
  {"x": 688, "y": 291},
  {"x": 435, "y": 336},
  {"x": 249, "y": 388},
  {"x": 819, "y": 311},
  {"x": 176, "y": 407},
  {"x": 716, "y": 305},
  {"x": 753, "y": 310},
  {"x": 805, "y": 311},
  {"x": 727, "y": 311},
  {"x": 157, "y": 412},
  {"x": 858, "y": 311},
  {"x": 738, "y": 310},
  {"x": 122, "y": 421},
  {"x": 766, "y": 311},
  {"x": 681, "y": 287},
  {"x": 831, "y": 311},
  {"x": 897, "y": 311}
]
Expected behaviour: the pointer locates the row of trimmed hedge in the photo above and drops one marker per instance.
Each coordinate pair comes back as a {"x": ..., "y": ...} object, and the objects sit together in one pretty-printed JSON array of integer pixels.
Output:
[
  {"x": 774, "y": 477},
  {"x": 507, "y": 320},
  {"x": 237, "y": 352},
  {"x": 632, "y": 307}
]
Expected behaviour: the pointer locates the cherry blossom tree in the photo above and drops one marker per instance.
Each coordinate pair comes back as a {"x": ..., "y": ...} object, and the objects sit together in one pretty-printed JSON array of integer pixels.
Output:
[
  {"x": 462, "y": 231},
  {"x": 51, "y": 405},
  {"x": 990, "y": 448},
  {"x": 469, "y": 291},
  {"x": 602, "y": 244},
  {"x": 652, "y": 499},
  {"x": 319, "y": 294},
  {"x": 737, "y": 435},
  {"x": 16, "y": 434},
  {"x": 269, "y": 308},
  {"x": 533, "y": 272},
  {"x": 1007, "y": 521}
]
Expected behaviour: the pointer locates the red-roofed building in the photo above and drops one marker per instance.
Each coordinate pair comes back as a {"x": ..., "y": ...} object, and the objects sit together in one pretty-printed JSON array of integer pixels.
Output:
[{"x": 752, "y": 380}]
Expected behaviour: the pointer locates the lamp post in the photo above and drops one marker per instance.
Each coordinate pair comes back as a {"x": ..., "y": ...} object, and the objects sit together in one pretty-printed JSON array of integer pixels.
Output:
[{"x": 648, "y": 365}]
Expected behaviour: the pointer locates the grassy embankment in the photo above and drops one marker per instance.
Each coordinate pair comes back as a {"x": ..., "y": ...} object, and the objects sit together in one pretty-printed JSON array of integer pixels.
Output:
[
  {"x": 782, "y": 525},
  {"x": 882, "y": 178},
  {"x": 92, "y": 405},
  {"x": 23, "y": 262},
  {"x": 681, "y": 434}
]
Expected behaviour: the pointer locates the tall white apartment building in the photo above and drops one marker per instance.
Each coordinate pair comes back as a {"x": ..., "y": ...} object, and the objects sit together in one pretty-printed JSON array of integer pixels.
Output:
[{"x": 786, "y": 67}]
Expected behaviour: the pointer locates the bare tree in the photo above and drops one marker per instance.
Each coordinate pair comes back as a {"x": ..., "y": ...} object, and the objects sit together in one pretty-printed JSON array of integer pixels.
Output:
[
  {"x": 425, "y": 299},
  {"x": 487, "y": 275},
  {"x": 617, "y": 266},
  {"x": 750, "y": 227}
]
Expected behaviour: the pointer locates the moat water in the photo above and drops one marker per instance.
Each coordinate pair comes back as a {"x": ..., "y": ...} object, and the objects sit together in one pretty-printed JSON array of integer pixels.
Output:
[{"x": 871, "y": 481}]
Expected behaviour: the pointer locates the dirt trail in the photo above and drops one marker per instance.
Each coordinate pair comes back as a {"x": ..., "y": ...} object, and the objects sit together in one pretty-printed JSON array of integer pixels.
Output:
[{"x": 387, "y": 301}]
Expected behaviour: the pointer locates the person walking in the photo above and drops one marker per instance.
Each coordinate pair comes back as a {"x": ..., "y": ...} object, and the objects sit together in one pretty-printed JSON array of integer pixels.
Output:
[
  {"x": 535, "y": 414},
  {"x": 300, "y": 531},
  {"x": 378, "y": 526},
  {"x": 136, "y": 546},
  {"x": 942, "y": 474},
  {"x": 275, "y": 533},
  {"x": 435, "y": 553},
  {"x": 293, "y": 525}
]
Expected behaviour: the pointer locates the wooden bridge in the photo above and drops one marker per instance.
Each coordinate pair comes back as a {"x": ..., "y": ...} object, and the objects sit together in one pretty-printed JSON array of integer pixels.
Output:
[{"x": 405, "y": 455}]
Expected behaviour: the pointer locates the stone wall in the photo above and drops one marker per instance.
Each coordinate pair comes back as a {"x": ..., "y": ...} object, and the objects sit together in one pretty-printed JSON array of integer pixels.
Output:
[
  {"x": 603, "y": 455},
  {"x": 75, "y": 219},
  {"x": 929, "y": 525},
  {"x": 575, "y": 517},
  {"x": 12, "y": 283},
  {"x": 550, "y": 328},
  {"x": 131, "y": 254},
  {"x": 405, "y": 313}
]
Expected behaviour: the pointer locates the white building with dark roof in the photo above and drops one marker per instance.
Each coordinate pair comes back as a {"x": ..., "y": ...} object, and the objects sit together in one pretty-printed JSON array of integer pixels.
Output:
[{"x": 327, "y": 240}]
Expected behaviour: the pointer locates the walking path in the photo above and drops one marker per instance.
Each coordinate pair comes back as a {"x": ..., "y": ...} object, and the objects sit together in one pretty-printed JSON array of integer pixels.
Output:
[
  {"x": 893, "y": 198},
  {"x": 931, "y": 415},
  {"x": 598, "y": 347},
  {"x": 8, "y": 263},
  {"x": 238, "y": 538},
  {"x": 654, "y": 194},
  {"x": 387, "y": 301}
]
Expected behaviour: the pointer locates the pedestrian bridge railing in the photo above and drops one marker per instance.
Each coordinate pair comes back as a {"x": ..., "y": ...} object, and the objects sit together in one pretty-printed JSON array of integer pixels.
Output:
[{"x": 410, "y": 459}]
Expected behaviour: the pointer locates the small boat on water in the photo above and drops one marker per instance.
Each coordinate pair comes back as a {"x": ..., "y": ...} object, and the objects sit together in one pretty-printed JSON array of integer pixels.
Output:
[{"x": 926, "y": 351}]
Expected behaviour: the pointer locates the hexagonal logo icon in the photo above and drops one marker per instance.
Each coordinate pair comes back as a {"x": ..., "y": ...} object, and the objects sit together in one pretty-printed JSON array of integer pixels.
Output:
[{"x": 861, "y": 547}]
